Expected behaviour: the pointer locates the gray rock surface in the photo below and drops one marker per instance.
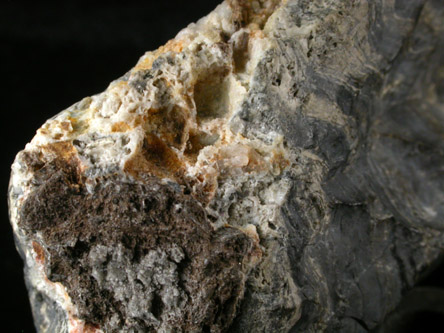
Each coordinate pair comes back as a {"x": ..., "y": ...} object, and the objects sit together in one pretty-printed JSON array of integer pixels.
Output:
[{"x": 278, "y": 167}]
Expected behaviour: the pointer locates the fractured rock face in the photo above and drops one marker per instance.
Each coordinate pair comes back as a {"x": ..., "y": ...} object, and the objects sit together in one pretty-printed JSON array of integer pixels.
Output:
[{"x": 275, "y": 167}]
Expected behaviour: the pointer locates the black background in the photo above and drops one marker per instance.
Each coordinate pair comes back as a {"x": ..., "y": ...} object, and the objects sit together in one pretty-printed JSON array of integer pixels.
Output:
[{"x": 51, "y": 56}]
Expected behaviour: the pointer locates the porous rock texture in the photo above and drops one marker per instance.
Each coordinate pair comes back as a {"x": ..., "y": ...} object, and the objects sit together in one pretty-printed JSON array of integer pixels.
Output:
[{"x": 277, "y": 167}]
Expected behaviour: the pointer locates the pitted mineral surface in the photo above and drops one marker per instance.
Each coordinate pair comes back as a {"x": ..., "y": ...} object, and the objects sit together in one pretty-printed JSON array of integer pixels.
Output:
[{"x": 276, "y": 167}]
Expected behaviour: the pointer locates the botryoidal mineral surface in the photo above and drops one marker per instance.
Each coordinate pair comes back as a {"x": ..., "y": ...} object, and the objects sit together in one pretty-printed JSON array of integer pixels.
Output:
[{"x": 277, "y": 167}]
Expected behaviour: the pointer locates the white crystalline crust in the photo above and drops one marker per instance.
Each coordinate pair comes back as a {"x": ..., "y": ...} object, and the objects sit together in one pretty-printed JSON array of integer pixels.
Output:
[{"x": 200, "y": 81}]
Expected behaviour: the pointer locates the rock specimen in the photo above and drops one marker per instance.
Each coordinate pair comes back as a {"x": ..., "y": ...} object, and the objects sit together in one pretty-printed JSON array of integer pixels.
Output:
[{"x": 277, "y": 167}]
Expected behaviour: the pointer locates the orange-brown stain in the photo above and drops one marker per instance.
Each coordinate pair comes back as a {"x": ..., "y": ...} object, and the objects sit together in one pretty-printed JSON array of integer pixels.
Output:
[
  {"x": 172, "y": 45},
  {"x": 245, "y": 14},
  {"x": 120, "y": 126},
  {"x": 155, "y": 158},
  {"x": 65, "y": 156},
  {"x": 280, "y": 162},
  {"x": 39, "y": 253},
  {"x": 169, "y": 125},
  {"x": 81, "y": 327}
]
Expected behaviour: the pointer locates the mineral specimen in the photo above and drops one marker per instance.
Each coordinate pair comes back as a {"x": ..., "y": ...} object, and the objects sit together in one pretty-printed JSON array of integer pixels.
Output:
[{"x": 276, "y": 167}]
